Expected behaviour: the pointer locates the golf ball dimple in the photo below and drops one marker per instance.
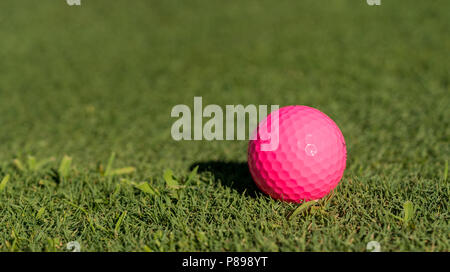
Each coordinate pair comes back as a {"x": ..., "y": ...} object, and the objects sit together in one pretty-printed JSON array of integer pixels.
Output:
[{"x": 309, "y": 160}]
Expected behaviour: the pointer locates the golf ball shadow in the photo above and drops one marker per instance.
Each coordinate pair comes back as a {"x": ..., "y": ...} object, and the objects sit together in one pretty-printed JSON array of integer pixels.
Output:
[{"x": 234, "y": 175}]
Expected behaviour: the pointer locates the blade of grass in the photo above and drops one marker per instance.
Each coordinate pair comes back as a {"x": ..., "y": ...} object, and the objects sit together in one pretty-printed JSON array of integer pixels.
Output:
[
  {"x": 32, "y": 163},
  {"x": 170, "y": 181},
  {"x": 302, "y": 207},
  {"x": 110, "y": 163},
  {"x": 408, "y": 209},
  {"x": 122, "y": 171},
  {"x": 40, "y": 213},
  {"x": 326, "y": 203},
  {"x": 146, "y": 188},
  {"x": 395, "y": 216},
  {"x": 18, "y": 164},
  {"x": 146, "y": 249},
  {"x": 446, "y": 170},
  {"x": 64, "y": 167},
  {"x": 119, "y": 222},
  {"x": 116, "y": 191},
  {"x": 14, "y": 245},
  {"x": 4, "y": 182},
  {"x": 192, "y": 174}
]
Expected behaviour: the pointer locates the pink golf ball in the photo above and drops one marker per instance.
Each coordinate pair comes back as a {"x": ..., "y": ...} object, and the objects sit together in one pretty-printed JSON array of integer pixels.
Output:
[{"x": 308, "y": 161}]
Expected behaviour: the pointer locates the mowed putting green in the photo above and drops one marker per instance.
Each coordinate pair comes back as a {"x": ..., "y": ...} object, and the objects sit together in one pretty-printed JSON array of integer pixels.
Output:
[{"x": 87, "y": 155}]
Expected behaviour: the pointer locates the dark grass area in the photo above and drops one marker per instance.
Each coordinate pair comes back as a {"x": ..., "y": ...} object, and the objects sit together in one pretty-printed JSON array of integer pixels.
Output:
[{"x": 103, "y": 77}]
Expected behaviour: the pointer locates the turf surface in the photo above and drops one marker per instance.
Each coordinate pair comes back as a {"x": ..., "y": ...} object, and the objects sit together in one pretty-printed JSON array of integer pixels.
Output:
[{"x": 102, "y": 78}]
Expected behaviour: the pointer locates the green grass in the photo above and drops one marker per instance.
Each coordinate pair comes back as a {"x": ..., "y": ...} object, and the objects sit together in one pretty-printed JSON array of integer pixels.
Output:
[{"x": 86, "y": 82}]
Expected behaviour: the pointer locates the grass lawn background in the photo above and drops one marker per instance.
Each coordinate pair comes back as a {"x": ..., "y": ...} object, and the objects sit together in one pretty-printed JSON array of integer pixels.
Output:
[{"x": 103, "y": 77}]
